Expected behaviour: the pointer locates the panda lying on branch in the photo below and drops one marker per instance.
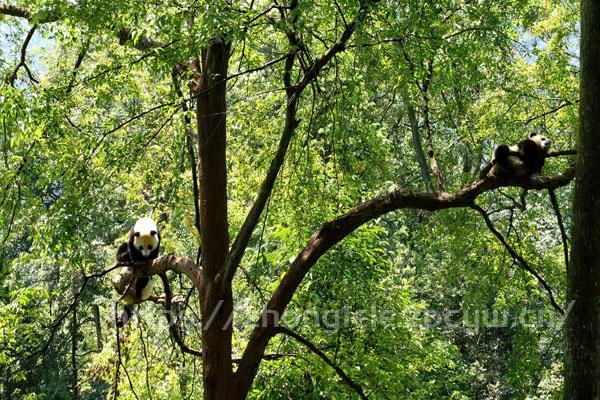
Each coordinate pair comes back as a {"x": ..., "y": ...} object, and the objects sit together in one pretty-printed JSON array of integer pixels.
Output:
[
  {"x": 142, "y": 247},
  {"x": 523, "y": 159}
]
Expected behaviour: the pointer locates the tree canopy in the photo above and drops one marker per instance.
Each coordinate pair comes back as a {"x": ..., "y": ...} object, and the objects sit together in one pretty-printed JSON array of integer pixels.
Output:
[{"x": 318, "y": 173}]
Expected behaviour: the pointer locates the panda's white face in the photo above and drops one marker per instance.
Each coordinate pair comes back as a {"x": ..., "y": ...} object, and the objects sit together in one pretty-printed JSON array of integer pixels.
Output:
[
  {"x": 145, "y": 236},
  {"x": 542, "y": 141}
]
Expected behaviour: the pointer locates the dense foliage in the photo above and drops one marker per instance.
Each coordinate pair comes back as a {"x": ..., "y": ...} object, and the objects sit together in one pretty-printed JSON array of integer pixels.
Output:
[{"x": 412, "y": 305}]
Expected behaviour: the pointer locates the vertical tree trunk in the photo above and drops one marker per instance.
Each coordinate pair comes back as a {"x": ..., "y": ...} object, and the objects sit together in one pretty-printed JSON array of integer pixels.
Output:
[
  {"x": 96, "y": 311},
  {"x": 582, "y": 362},
  {"x": 74, "y": 353},
  {"x": 429, "y": 144},
  {"x": 216, "y": 302},
  {"x": 416, "y": 136}
]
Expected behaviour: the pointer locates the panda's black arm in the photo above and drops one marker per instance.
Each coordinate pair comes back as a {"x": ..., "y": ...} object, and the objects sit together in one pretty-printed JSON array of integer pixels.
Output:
[{"x": 123, "y": 254}]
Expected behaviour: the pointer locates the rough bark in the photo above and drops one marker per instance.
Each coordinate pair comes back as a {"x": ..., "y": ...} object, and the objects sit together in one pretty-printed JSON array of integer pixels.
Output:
[
  {"x": 216, "y": 302},
  {"x": 582, "y": 361}
]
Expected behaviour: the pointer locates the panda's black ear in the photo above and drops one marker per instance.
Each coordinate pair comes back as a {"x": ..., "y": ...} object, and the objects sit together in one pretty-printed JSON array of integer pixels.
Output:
[
  {"x": 532, "y": 134},
  {"x": 153, "y": 233},
  {"x": 137, "y": 234}
]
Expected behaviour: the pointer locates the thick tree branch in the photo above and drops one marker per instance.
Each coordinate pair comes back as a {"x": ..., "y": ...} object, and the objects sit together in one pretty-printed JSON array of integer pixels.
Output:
[
  {"x": 169, "y": 262},
  {"x": 433, "y": 164},
  {"x": 332, "y": 232},
  {"x": 486, "y": 170},
  {"x": 423, "y": 87},
  {"x": 416, "y": 136},
  {"x": 561, "y": 153},
  {"x": 21, "y": 12},
  {"x": 179, "y": 265},
  {"x": 15, "y": 11},
  {"x": 243, "y": 237},
  {"x": 234, "y": 257},
  {"x": 337, "y": 47},
  {"x": 352, "y": 384}
]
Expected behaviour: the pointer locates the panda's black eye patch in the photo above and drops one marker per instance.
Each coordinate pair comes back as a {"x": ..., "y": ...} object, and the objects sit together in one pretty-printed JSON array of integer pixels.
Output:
[
  {"x": 153, "y": 233},
  {"x": 137, "y": 234},
  {"x": 141, "y": 247},
  {"x": 149, "y": 247}
]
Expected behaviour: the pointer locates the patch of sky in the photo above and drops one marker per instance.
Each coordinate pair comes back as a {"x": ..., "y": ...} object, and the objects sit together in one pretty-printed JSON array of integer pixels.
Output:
[{"x": 12, "y": 35}]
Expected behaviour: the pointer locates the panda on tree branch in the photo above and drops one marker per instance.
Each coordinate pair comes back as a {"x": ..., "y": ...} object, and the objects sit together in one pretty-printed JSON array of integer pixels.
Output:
[
  {"x": 142, "y": 247},
  {"x": 523, "y": 159}
]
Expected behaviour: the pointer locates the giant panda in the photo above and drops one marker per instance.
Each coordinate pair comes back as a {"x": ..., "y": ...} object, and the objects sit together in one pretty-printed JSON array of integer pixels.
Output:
[
  {"x": 142, "y": 246},
  {"x": 523, "y": 159}
]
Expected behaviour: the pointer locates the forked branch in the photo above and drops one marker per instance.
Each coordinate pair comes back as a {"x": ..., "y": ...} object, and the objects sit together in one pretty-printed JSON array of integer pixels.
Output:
[
  {"x": 23, "y": 62},
  {"x": 293, "y": 95},
  {"x": 519, "y": 259}
]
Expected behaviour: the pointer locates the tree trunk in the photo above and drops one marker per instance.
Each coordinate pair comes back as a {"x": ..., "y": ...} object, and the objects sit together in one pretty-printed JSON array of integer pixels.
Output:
[
  {"x": 416, "y": 136},
  {"x": 435, "y": 168},
  {"x": 582, "y": 361},
  {"x": 216, "y": 301},
  {"x": 96, "y": 311},
  {"x": 74, "y": 374}
]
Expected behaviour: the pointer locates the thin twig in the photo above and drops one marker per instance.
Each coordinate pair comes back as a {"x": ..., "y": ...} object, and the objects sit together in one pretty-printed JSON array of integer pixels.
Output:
[
  {"x": 173, "y": 328},
  {"x": 561, "y": 226},
  {"x": 118, "y": 344},
  {"x": 351, "y": 383},
  {"x": 143, "y": 341},
  {"x": 519, "y": 259},
  {"x": 57, "y": 323},
  {"x": 551, "y": 111}
]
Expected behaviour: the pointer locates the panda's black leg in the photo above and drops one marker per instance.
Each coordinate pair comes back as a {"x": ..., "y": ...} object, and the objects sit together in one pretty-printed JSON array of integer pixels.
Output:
[
  {"x": 125, "y": 316},
  {"x": 140, "y": 284}
]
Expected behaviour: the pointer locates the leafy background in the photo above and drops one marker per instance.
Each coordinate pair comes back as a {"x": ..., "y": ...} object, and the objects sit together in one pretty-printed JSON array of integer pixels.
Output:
[{"x": 85, "y": 152}]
